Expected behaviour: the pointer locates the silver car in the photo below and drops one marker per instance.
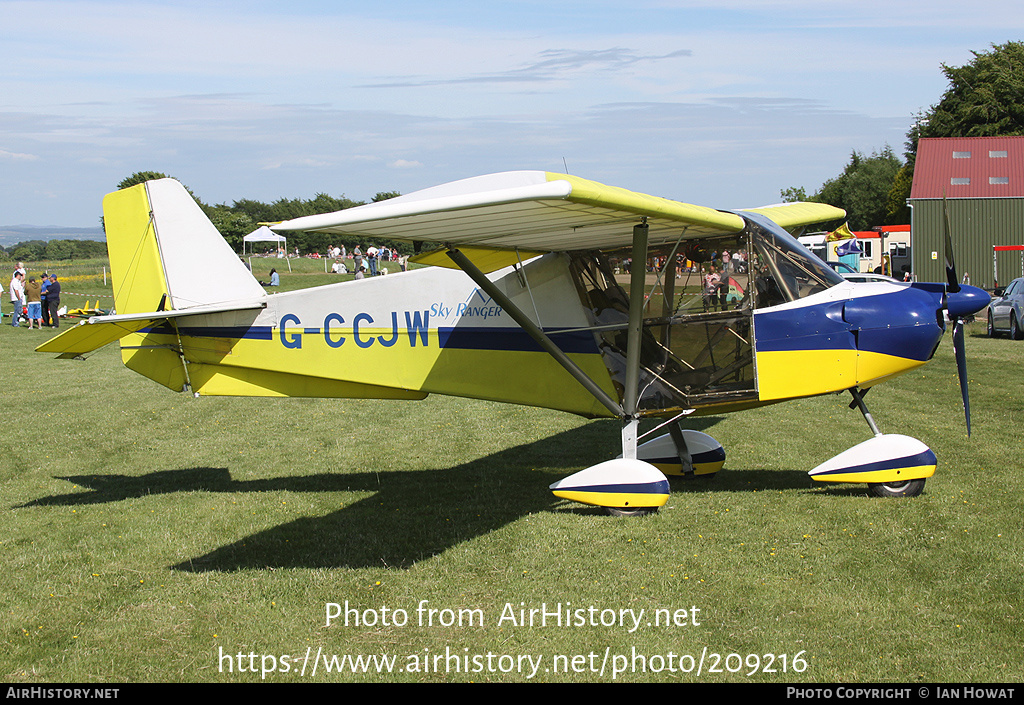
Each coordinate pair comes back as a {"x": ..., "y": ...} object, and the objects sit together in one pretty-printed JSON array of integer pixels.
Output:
[{"x": 1006, "y": 312}]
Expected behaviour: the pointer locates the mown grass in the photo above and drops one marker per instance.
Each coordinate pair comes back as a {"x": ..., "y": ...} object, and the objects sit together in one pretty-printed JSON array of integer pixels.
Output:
[{"x": 149, "y": 533}]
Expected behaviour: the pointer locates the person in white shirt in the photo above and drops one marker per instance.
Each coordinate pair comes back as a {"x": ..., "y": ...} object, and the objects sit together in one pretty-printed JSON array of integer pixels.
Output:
[{"x": 17, "y": 296}]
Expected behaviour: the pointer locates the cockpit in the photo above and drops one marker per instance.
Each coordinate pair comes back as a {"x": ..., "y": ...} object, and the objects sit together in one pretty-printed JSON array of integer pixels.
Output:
[{"x": 697, "y": 342}]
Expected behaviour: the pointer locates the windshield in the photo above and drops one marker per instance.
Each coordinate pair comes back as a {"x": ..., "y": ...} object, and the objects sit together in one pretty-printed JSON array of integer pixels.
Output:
[{"x": 784, "y": 269}]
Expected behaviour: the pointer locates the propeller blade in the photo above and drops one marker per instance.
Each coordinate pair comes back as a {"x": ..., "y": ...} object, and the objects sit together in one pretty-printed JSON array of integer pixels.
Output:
[
  {"x": 953, "y": 284},
  {"x": 961, "y": 368}
]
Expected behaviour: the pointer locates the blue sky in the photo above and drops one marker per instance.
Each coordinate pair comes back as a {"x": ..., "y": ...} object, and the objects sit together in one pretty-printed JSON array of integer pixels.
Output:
[{"x": 720, "y": 103}]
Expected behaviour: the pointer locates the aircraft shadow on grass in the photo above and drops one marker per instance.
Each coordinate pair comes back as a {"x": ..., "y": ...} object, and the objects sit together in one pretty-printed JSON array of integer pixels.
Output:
[{"x": 410, "y": 515}]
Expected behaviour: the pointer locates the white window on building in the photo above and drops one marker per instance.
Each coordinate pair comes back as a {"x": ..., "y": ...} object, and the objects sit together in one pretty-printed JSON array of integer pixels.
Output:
[
  {"x": 865, "y": 246},
  {"x": 961, "y": 155},
  {"x": 997, "y": 180},
  {"x": 998, "y": 154},
  {"x": 960, "y": 181}
]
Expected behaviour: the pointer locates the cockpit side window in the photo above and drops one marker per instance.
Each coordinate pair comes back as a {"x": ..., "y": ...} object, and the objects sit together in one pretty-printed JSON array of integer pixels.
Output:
[{"x": 695, "y": 347}]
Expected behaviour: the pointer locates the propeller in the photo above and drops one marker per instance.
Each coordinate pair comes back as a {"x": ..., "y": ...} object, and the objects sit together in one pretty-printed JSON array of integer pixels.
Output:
[
  {"x": 961, "y": 368},
  {"x": 953, "y": 309}
]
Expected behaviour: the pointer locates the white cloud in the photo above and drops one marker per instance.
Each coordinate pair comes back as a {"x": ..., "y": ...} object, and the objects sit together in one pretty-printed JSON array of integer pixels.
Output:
[{"x": 17, "y": 156}]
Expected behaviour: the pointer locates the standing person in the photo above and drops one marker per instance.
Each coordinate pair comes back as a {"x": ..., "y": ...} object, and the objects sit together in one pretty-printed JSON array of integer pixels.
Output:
[
  {"x": 44, "y": 287},
  {"x": 53, "y": 300},
  {"x": 17, "y": 296},
  {"x": 33, "y": 295},
  {"x": 710, "y": 292},
  {"x": 372, "y": 254}
]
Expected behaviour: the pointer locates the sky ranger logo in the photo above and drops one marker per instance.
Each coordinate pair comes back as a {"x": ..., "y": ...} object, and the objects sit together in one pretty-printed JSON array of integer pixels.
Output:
[{"x": 478, "y": 305}]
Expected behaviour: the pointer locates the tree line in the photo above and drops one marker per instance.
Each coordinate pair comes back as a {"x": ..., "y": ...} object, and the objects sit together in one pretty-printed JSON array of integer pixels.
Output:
[
  {"x": 237, "y": 220},
  {"x": 985, "y": 98},
  {"x": 53, "y": 250}
]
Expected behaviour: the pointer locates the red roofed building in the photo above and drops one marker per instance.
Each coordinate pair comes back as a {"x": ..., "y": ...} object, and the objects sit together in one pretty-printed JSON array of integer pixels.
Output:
[{"x": 982, "y": 181}]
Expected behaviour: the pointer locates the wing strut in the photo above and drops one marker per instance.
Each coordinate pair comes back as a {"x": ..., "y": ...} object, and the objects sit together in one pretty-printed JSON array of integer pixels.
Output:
[
  {"x": 533, "y": 330},
  {"x": 631, "y": 393}
]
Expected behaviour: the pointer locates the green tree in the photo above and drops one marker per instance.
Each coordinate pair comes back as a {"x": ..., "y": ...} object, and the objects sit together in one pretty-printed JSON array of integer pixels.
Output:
[
  {"x": 143, "y": 176},
  {"x": 59, "y": 250},
  {"x": 896, "y": 208},
  {"x": 793, "y": 194},
  {"x": 985, "y": 98},
  {"x": 863, "y": 188},
  {"x": 231, "y": 225},
  {"x": 140, "y": 177},
  {"x": 28, "y": 250}
]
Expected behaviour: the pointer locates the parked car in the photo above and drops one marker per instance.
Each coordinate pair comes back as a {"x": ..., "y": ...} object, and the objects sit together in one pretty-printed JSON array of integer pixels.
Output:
[
  {"x": 1006, "y": 312},
  {"x": 841, "y": 267},
  {"x": 852, "y": 275}
]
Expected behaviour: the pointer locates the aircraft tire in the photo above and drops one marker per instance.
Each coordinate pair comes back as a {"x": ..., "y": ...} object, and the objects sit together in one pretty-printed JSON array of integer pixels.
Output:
[
  {"x": 908, "y": 488},
  {"x": 638, "y": 512}
]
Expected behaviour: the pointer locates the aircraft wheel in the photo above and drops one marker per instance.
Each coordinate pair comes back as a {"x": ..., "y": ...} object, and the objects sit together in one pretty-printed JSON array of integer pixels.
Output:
[
  {"x": 638, "y": 512},
  {"x": 908, "y": 488}
]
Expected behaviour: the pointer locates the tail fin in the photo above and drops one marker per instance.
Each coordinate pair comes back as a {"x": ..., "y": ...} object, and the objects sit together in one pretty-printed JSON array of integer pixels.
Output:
[{"x": 165, "y": 254}]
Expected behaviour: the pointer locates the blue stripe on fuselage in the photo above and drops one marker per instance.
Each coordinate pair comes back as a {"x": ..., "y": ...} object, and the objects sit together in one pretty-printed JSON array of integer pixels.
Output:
[
  {"x": 517, "y": 339},
  {"x": 233, "y": 332},
  {"x": 456, "y": 338}
]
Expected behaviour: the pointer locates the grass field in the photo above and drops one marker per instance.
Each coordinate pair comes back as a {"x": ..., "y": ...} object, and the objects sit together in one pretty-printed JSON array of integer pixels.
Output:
[{"x": 153, "y": 536}]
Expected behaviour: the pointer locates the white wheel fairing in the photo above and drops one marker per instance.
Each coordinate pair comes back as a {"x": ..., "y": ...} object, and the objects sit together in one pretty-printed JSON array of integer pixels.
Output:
[
  {"x": 890, "y": 458},
  {"x": 620, "y": 483},
  {"x": 706, "y": 454}
]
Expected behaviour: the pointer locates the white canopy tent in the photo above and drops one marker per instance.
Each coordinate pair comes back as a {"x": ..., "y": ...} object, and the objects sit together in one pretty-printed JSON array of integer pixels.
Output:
[{"x": 264, "y": 234}]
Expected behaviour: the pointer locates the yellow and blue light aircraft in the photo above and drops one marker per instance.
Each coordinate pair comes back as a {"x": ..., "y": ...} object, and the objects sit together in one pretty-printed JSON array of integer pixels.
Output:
[{"x": 543, "y": 293}]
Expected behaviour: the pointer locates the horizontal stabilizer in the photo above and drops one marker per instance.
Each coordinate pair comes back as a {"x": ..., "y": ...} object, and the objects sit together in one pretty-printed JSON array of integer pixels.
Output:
[
  {"x": 93, "y": 333},
  {"x": 88, "y": 336}
]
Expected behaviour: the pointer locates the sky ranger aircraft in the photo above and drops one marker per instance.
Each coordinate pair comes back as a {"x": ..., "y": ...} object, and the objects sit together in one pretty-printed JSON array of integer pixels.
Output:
[{"x": 528, "y": 303}]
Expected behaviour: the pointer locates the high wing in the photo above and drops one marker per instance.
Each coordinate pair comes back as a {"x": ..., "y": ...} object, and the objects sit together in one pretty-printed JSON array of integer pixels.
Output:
[{"x": 541, "y": 211}]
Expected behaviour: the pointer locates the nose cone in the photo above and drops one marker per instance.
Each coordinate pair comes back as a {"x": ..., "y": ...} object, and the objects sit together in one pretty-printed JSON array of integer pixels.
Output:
[{"x": 970, "y": 299}]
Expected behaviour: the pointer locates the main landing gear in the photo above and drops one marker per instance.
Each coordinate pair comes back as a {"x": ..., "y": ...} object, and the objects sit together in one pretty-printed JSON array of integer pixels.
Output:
[{"x": 892, "y": 465}]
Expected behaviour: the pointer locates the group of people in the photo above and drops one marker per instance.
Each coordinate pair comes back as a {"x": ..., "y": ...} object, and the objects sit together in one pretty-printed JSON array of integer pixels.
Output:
[
  {"x": 38, "y": 300},
  {"x": 364, "y": 263}
]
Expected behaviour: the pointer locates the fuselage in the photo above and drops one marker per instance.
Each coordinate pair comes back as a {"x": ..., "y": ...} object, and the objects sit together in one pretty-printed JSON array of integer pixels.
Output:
[{"x": 433, "y": 331}]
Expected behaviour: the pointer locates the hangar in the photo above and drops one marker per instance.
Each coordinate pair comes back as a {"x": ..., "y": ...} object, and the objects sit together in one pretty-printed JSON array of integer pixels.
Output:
[{"x": 982, "y": 180}]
